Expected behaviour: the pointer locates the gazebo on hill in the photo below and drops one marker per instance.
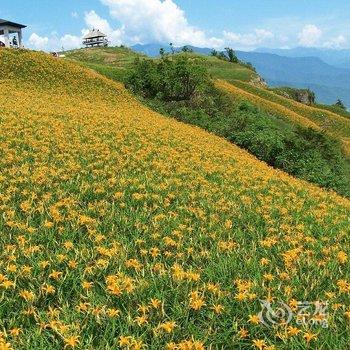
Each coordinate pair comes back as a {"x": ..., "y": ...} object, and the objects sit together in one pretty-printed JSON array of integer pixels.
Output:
[
  {"x": 95, "y": 38},
  {"x": 10, "y": 34}
]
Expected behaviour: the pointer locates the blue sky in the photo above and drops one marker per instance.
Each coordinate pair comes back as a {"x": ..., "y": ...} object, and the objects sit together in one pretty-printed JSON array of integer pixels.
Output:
[{"x": 213, "y": 23}]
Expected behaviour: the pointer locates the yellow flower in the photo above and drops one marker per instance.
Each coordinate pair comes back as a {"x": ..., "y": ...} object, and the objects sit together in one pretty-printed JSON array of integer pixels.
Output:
[
  {"x": 72, "y": 264},
  {"x": 113, "y": 312},
  {"x": 293, "y": 331},
  {"x": 308, "y": 336},
  {"x": 155, "y": 303},
  {"x": 7, "y": 284},
  {"x": 87, "y": 285},
  {"x": 342, "y": 257},
  {"x": 167, "y": 327},
  {"x": 268, "y": 277},
  {"x": 68, "y": 245},
  {"x": 218, "y": 309},
  {"x": 243, "y": 333},
  {"x": 264, "y": 261},
  {"x": 4, "y": 345},
  {"x": 137, "y": 345},
  {"x": 72, "y": 341},
  {"x": 48, "y": 289},
  {"x": 259, "y": 343},
  {"x": 55, "y": 275},
  {"x": 254, "y": 319},
  {"x": 228, "y": 224},
  {"x": 27, "y": 295},
  {"x": 124, "y": 341},
  {"x": 15, "y": 332},
  {"x": 11, "y": 268},
  {"x": 118, "y": 195},
  {"x": 44, "y": 264},
  {"x": 141, "y": 320},
  {"x": 196, "y": 301}
]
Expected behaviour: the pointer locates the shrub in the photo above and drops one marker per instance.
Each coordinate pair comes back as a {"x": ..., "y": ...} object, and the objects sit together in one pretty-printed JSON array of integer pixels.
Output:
[
  {"x": 175, "y": 78},
  {"x": 340, "y": 104},
  {"x": 231, "y": 55}
]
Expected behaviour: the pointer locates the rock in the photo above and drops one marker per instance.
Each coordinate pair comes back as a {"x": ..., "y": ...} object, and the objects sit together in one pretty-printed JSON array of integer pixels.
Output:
[{"x": 258, "y": 81}]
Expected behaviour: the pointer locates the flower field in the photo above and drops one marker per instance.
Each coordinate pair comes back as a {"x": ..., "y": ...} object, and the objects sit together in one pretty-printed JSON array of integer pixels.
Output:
[
  {"x": 319, "y": 119},
  {"x": 123, "y": 229}
]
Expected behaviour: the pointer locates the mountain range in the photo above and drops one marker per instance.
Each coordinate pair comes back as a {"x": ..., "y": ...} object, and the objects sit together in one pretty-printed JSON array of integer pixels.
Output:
[
  {"x": 326, "y": 72},
  {"x": 338, "y": 58}
]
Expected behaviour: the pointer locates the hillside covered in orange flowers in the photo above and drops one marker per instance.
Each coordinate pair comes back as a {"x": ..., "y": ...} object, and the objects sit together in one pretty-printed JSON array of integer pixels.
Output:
[{"x": 124, "y": 229}]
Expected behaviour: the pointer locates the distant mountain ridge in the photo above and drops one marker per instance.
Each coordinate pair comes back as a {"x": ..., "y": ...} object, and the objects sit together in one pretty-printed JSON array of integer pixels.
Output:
[
  {"x": 153, "y": 49},
  {"x": 329, "y": 82},
  {"x": 338, "y": 58}
]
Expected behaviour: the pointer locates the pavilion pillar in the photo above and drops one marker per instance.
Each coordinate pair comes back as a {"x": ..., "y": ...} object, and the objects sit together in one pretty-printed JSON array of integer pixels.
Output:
[
  {"x": 20, "y": 38},
  {"x": 7, "y": 37}
]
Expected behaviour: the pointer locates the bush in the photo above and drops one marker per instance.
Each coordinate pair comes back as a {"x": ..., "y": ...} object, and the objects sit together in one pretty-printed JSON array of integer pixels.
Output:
[
  {"x": 175, "y": 78},
  {"x": 301, "y": 152}
]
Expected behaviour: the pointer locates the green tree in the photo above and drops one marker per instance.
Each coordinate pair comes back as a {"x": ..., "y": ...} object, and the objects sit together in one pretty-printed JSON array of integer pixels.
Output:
[
  {"x": 186, "y": 49},
  {"x": 231, "y": 55},
  {"x": 222, "y": 56},
  {"x": 175, "y": 78},
  {"x": 340, "y": 104}
]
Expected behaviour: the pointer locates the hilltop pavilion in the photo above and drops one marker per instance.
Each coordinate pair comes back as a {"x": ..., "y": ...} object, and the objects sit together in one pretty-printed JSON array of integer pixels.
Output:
[
  {"x": 10, "y": 34},
  {"x": 95, "y": 38}
]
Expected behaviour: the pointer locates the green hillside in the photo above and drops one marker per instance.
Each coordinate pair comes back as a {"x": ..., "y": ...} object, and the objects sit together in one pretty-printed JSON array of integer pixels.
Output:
[
  {"x": 110, "y": 62},
  {"x": 273, "y": 128},
  {"x": 327, "y": 120},
  {"x": 113, "y": 62},
  {"x": 124, "y": 229}
]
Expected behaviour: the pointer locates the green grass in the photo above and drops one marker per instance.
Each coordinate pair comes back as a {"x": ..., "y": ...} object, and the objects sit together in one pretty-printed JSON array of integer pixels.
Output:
[
  {"x": 113, "y": 62},
  {"x": 325, "y": 119},
  {"x": 334, "y": 109},
  {"x": 221, "y": 69}
]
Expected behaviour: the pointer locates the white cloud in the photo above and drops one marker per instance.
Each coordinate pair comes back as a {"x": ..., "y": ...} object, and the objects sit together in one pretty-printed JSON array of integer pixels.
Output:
[
  {"x": 163, "y": 21},
  {"x": 157, "y": 21},
  {"x": 310, "y": 35},
  {"x": 336, "y": 43},
  {"x": 38, "y": 42},
  {"x": 54, "y": 42},
  {"x": 93, "y": 20},
  {"x": 259, "y": 36},
  {"x": 70, "y": 41},
  {"x": 147, "y": 21},
  {"x": 283, "y": 38}
]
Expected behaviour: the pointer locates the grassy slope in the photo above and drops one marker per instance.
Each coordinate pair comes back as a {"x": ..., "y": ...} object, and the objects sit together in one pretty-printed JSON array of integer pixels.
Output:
[
  {"x": 285, "y": 91},
  {"x": 307, "y": 116},
  {"x": 108, "y": 207},
  {"x": 334, "y": 109},
  {"x": 325, "y": 119},
  {"x": 113, "y": 62}
]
